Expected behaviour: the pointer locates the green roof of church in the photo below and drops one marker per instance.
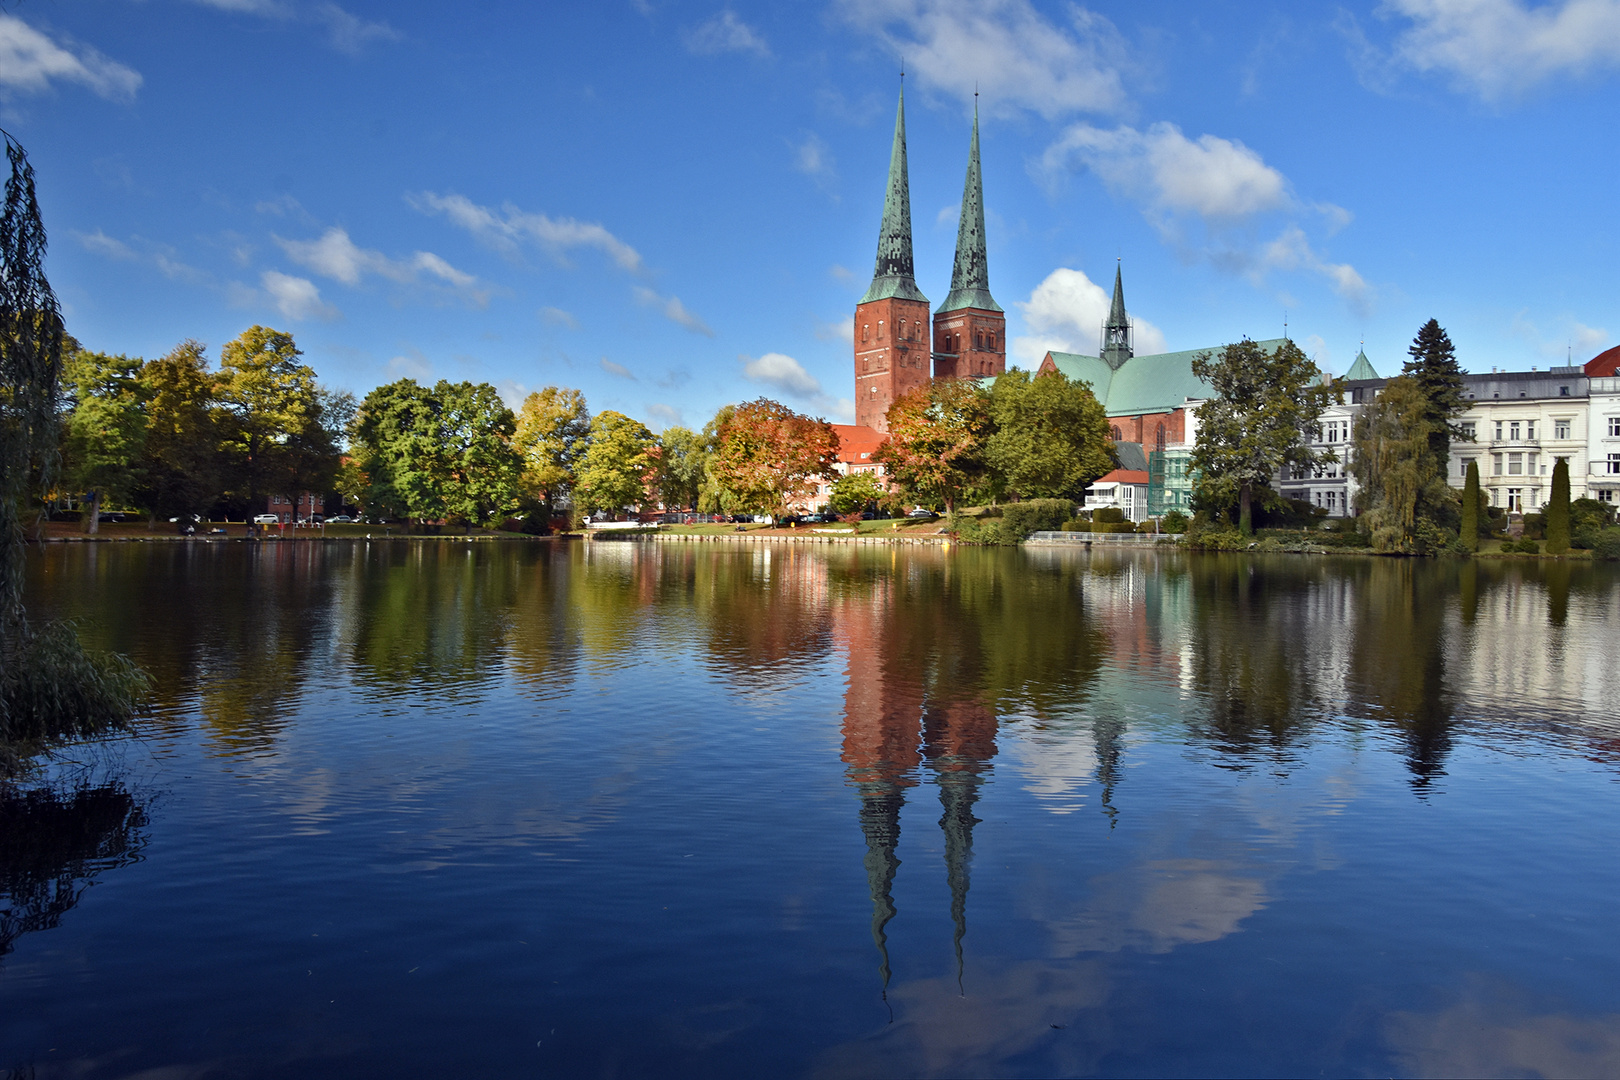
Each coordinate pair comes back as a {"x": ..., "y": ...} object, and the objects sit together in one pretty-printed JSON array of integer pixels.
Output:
[
  {"x": 1144, "y": 384},
  {"x": 970, "y": 277},
  {"x": 894, "y": 276},
  {"x": 1361, "y": 369}
]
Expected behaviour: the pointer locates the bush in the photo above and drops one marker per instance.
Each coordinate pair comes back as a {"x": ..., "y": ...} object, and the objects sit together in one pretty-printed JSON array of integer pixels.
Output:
[
  {"x": 1431, "y": 539},
  {"x": 979, "y": 530},
  {"x": 1509, "y": 547},
  {"x": 1035, "y": 515},
  {"x": 1527, "y": 546},
  {"x": 1174, "y": 522},
  {"x": 1607, "y": 545},
  {"x": 1111, "y": 514},
  {"x": 1076, "y": 526},
  {"x": 1535, "y": 526}
]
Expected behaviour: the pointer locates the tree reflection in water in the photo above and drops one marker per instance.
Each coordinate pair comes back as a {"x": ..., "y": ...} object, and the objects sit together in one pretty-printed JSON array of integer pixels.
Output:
[{"x": 53, "y": 844}]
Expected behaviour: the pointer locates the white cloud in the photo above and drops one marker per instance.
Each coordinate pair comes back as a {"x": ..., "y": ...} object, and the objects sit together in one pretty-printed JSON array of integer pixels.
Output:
[
  {"x": 345, "y": 31},
  {"x": 159, "y": 256},
  {"x": 1212, "y": 177},
  {"x": 552, "y": 316},
  {"x": 351, "y": 34},
  {"x": 1569, "y": 341},
  {"x": 30, "y": 61},
  {"x": 789, "y": 376},
  {"x": 724, "y": 33},
  {"x": 783, "y": 372},
  {"x": 1066, "y": 312},
  {"x": 836, "y": 330},
  {"x": 616, "y": 370},
  {"x": 411, "y": 366},
  {"x": 667, "y": 414},
  {"x": 336, "y": 256},
  {"x": 841, "y": 273},
  {"x": 673, "y": 310},
  {"x": 296, "y": 297},
  {"x": 1006, "y": 49},
  {"x": 503, "y": 229},
  {"x": 102, "y": 244},
  {"x": 813, "y": 157},
  {"x": 1292, "y": 251},
  {"x": 1497, "y": 48}
]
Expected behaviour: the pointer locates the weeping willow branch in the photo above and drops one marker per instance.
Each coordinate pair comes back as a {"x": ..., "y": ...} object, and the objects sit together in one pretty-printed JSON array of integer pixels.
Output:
[{"x": 51, "y": 689}]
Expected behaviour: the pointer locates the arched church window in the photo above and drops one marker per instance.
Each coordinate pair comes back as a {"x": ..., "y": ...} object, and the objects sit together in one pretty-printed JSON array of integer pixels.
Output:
[
  {"x": 979, "y": 339},
  {"x": 1158, "y": 438},
  {"x": 1114, "y": 432},
  {"x": 866, "y": 331},
  {"x": 880, "y": 329}
]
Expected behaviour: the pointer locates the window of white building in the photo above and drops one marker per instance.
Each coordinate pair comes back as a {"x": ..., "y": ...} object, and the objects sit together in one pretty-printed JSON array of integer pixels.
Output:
[
  {"x": 1530, "y": 465},
  {"x": 1515, "y": 500},
  {"x": 1515, "y": 462},
  {"x": 1560, "y": 429},
  {"x": 1530, "y": 430},
  {"x": 1614, "y": 464},
  {"x": 1614, "y": 427},
  {"x": 1496, "y": 461},
  {"x": 1468, "y": 429},
  {"x": 1513, "y": 431},
  {"x": 1499, "y": 431}
]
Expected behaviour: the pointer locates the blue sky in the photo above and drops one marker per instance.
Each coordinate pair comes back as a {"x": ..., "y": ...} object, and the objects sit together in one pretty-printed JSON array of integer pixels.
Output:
[{"x": 675, "y": 205}]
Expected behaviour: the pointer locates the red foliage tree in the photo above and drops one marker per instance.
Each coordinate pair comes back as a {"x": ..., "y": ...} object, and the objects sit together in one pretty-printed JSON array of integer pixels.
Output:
[
  {"x": 937, "y": 437},
  {"x": 767, "y": 456}
]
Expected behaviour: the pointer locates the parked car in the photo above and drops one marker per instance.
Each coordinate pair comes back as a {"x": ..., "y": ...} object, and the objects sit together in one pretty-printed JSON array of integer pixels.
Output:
[
  {"x": 266, "y": 519},
  {"x": 341, "y": 518},
  {"x": 921, "y": 512}
]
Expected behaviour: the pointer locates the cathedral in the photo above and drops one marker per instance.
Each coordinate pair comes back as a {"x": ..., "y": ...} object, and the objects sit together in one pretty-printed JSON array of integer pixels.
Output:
[{"x": 897, "y": 346}]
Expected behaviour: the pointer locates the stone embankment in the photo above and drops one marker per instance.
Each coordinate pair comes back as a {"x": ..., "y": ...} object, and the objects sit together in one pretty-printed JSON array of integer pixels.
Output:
[{"x": 786, "y": 538}]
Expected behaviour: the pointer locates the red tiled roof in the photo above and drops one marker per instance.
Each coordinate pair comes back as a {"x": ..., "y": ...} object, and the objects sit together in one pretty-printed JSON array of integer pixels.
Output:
[
  {"x": 1123, "y": 476},
  {"x": 856, "y": 443},
  {"x": 1604, "y": 364}
]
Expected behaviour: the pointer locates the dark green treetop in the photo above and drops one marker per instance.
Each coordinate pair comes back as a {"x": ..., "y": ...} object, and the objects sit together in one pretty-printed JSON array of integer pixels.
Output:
[{"x": 1433, "y": 365}]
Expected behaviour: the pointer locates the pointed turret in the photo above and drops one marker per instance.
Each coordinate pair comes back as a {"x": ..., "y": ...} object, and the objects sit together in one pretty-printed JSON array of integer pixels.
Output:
[
  {"x": 959, "y": 782},
  {"x": 880, "y": 822},
  {"x": 1116, "y": 332},
  {"x": 894, "y": 276},
  {"x": 1361, "y": 369},
  {"x": 970, "y": 277}
]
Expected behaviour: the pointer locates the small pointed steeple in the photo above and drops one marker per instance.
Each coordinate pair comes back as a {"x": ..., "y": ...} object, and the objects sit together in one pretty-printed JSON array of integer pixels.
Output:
[
  {"x": 970, "y": 277},
  {"x": 1116, "y": 334},
  {"x": 894, "y": 275},
  {"x": 1361, "y": 369}
]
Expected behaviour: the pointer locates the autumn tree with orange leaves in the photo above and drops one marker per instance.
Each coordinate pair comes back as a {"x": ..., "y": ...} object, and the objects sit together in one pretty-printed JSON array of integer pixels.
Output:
[
  {"x": 767, "y": 456},
  {"x": 937, "y": 438}
]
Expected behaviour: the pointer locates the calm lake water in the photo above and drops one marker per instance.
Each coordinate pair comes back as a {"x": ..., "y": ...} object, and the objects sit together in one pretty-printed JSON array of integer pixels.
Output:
[{"x": 630, "y": 809}]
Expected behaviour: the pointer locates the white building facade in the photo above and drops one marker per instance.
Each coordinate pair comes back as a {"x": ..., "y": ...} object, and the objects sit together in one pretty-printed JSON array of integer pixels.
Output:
[
  {"x": 1603, "y": 440},
  {"x": 1519, "y": 424}
]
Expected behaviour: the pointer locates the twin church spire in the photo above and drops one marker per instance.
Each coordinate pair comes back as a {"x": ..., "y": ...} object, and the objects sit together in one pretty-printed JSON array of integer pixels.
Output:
[
  {"x": 898, "y": 347},
  {"x": 895, "y": 272}
]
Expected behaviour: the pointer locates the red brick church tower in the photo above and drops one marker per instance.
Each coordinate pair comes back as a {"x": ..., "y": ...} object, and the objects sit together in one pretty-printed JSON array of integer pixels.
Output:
[
  {"x": 891, "y": 321},
  {"x": 970, "y": 329}
]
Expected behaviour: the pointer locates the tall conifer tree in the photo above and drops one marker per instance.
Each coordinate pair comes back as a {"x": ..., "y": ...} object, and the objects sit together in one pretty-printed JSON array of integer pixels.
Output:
[
  {"x": 1469, "y": 531},
  {"x": 1433, "y": 365},
  {"x": 1558, "y": 510}
]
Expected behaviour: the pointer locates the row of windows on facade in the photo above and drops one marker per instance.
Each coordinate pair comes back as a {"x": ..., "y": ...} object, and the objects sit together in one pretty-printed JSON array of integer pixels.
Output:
[
  {"x": 983, "y": 339},
  {"x": 1525, "y": 430}
]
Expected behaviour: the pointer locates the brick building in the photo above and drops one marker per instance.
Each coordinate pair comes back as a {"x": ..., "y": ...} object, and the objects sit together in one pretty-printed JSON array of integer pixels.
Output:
[{"x": 897, "y": 347}]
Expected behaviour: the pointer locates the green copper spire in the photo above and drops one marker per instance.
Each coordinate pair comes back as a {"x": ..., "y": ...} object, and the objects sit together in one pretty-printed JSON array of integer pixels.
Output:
[
  {"x": 970, "y": 278},
  {"x": 1116, "y": 335},
  {"x": 894, "y": 277},
  {"x": 1361, "y": 369}
]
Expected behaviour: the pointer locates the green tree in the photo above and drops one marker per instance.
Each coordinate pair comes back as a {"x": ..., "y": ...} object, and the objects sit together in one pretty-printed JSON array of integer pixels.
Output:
[
  {"x": 1468, "y": 533},
  {"x": 553, "y": 427},
  {"x": 105, "y": 429},
  {"x": 712, "y": 497},
  {"x": 267, "y": 398},
  {"x": 483, "y": 471},
  {"x": 1433, "y": 366},
  {"x": 767, "y": 457},
  {"x": 683, "y": 466},
  {"x": 399, "y": 465},
  {"x": 1049, "y": 436},
  {"x": 614, "y": 470},
  {"x": 937, "y": 440},
  {"x": 854, "y": 492},
  {"x": 1558, "y": 509},
  {"x": 180, "y": 470},
  {"x": 1252, "y": 426},
  {"x": 312, "y": 456}
]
